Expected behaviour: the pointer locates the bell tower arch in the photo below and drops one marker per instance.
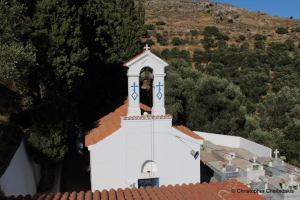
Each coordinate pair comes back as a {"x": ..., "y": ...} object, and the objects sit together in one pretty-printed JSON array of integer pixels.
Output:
[{"x": 146, "y": 59}]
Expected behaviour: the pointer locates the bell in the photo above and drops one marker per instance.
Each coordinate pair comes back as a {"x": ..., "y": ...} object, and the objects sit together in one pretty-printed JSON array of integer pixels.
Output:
[
  {"x": 147, "y": 75},
  {"x": 145, "y": 84}
]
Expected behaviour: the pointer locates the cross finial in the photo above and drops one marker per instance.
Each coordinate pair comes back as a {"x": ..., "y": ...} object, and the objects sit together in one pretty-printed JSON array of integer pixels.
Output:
[
  {"x": 229, "y": 157},
  {"x": 275, "y": 153},
  {"x": 147, "y": 47},
  {"x": 292, "y": 177},
  {"x": 254, "y": 158}
]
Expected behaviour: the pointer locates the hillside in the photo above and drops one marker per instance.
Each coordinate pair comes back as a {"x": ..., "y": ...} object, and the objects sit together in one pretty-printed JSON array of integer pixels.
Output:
[{"x": 185, "y": 18}]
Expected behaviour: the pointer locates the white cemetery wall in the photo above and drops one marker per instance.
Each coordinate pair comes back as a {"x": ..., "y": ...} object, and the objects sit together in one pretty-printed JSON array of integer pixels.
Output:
[
  {"x": 22, "y": 175},
  {"x": 223, "y": 140},
  {"x": 255, "y": 148},
  {"x": 236, "y": 142},
  {"x": 117, "y": 160}
]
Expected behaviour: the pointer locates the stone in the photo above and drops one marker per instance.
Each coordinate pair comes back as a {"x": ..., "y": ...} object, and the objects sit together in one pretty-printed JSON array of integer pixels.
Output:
[{"x": 230, "y": 168}]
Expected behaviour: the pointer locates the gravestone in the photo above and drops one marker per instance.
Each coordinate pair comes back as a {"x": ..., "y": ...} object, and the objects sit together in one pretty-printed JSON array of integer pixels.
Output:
[
  {"x": 254, "y": 169},
  {"x": 277, "y": 167},
  {"x": 292, "y": 185}
]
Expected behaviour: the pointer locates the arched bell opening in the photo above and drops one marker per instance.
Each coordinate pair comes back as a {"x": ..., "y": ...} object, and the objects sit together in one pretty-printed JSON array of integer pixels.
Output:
[{"x": 146, "y": 82}]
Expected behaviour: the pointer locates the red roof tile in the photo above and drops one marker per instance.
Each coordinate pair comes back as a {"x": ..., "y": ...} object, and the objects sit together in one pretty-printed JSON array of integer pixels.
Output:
[
  {"x": 188, "y": 132},
  {"x": 110, "y": 123},
  {"x": 211, "y": 191}
]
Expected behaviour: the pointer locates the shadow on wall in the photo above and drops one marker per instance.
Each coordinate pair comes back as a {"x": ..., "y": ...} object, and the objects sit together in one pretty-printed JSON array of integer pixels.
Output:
[{"x": 206, "y": 173}]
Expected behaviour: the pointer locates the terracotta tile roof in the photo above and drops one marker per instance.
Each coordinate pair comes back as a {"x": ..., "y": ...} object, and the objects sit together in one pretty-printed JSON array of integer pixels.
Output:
[
  {"x": 188, "y": 132},
  {"x": 125, "y": 64},
  {"x": 109, "y": 124},
  {"x": 207, "y": 191}
]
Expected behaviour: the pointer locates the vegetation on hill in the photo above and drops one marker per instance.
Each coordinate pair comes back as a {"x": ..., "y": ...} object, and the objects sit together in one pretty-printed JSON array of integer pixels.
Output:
[{"x": 237, "y": 90}]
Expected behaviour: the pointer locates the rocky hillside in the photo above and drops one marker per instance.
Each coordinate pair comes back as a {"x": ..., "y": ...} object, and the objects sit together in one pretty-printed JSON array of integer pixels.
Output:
[{"x": 187, "y": 20}]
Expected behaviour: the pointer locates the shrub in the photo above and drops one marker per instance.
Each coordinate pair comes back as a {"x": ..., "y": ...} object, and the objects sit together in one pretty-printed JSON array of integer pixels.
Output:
[
  {"x": 211, "y": 30},
  {"x": 150, "y": 42},
  {"x": 164, "y": 42},
  {"x": 160, "y": 23},
  {"x": 230, "y": 21},
  {"x": 150, "y": 26},
  {"x": 282, "y": 30},
  {"x": 225, "y": 37},
  {"x": 159, "y": 37},
  {"x": 146, "y": 35},
  {"x": 297, "y": 29},
  {"x": 194, "y": 32},
  {"x": 260, "y": 37},
  {"x": 176, "y": 41},
  {"x": 242, "y": 37}
]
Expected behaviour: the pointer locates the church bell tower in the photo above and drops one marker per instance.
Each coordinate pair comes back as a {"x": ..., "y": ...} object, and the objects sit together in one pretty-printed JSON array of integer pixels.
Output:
[{"x": 146, "y": 59}]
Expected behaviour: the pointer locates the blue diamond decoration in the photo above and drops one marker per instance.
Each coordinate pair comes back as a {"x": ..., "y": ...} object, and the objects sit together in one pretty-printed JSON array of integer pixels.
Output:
[
  {"x": 159, "y": 95},
  {"x": 134, "y": 95}
]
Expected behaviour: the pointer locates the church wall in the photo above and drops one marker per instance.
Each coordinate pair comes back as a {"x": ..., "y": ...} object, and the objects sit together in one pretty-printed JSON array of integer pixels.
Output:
[{"x": 117, "y": 161}]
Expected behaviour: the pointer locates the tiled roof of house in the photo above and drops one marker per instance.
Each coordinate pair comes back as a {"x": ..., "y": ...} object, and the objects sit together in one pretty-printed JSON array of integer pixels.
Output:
[
  {"x": 112, "y": 122},
  {"x": 207, "y": 191}
]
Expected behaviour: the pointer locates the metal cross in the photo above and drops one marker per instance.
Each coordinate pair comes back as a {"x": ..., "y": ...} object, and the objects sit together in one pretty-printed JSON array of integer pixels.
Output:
[
  {"x": 134, "y": 86},
  {"x": 276, "y": 152},
  {"x": 229, "y": 158},
  {"x": 254, "y": 158},
  {"x": 292, "y": 177},
  {"x": 147, "y": 47},
  {"x": 159, "y": 85}
]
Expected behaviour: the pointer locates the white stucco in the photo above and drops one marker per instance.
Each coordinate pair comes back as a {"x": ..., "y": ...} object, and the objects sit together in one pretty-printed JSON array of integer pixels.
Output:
[
  {"x": 118, "y": 160},
  {"x": 21, "y": 176},
  {"x": 237, "y": 142}
]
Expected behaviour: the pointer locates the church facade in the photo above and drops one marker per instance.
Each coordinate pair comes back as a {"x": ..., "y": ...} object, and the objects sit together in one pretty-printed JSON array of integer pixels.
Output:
[{"x": 136, "y": 145}]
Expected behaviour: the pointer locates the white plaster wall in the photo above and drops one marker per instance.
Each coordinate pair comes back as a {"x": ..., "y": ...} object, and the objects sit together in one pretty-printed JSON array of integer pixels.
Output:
[
  {"x": 22, "y": 175},
  {"x": 237, "y": 142},
  {"x": 223, "y": 140},
  {"x": 116, "y": 161},
  {"x": 255, "y": 148}
]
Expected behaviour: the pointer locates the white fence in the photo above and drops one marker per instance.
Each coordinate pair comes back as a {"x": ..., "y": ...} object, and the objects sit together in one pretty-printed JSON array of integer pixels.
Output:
[
  {"x": 21, "y": 176},
  {"x": 236, "y": 142}
]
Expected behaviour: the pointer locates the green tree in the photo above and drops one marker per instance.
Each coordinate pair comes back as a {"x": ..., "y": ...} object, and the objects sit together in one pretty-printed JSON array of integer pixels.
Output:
[
  {"x": 176, "y": 41},
  {"x": 288, "y": 146},
  {"x": 242, "y": 37},
  {"x": 215, "y": 105},
  {"x": 17, "y": 55},
  {"x": 279, "y": 108},
  {"x": 210, "y": 30},
  {"x": 290, "y": 44},
  {"x": 208, "y": 42}
]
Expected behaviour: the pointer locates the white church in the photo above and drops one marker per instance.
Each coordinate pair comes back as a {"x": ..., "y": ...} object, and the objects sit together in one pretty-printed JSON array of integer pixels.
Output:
[{"x": 136, "y": 145}]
